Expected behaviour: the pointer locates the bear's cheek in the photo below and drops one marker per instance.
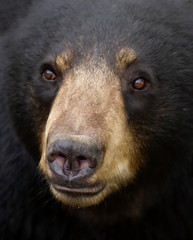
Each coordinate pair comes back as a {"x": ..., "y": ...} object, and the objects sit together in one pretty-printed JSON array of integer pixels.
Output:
[{"x": 88, "y": 151}]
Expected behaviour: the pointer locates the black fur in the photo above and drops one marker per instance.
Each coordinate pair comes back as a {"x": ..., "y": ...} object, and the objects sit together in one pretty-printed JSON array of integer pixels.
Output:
[{"x": 162, "y": 118}]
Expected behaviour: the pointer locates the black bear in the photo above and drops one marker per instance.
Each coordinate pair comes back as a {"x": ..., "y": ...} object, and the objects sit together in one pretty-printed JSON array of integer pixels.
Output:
[{"x": 96, "y": 119}]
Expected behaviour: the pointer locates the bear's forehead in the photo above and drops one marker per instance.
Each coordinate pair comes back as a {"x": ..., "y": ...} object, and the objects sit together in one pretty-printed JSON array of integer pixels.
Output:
[
  {"x": 85, "y": 25},
  {"x": 96, "y": 29}
]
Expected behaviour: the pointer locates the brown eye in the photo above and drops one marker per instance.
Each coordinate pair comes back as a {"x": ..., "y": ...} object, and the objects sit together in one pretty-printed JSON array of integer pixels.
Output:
[
  {"x": 48, "y": 75},
  {"x": 140, "y": 84}
]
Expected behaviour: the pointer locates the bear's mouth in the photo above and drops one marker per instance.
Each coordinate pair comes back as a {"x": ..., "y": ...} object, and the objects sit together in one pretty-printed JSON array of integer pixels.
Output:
[
  {"x": 75, "y": 188},
  {"x": 87, "y": 190}
]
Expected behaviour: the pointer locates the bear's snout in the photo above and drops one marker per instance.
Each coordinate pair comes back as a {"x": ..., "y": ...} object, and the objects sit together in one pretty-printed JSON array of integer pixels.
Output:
[{"x": 73, "y": 160}]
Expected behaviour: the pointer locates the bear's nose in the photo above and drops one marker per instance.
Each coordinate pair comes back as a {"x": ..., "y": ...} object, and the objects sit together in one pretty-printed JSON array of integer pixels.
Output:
[{"x": 72, "y": 159}]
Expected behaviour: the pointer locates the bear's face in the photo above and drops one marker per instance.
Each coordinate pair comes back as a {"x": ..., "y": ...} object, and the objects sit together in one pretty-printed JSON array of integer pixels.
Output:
[
  {"x": 88, "y": 150},
  {"x": 101, "y": 102}
]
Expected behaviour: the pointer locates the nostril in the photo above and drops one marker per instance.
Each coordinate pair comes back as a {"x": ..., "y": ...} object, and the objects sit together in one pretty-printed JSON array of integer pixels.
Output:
[
  {"x": 80, "y": 158},
  {"x": 59, "y": 159},
  {"x": 82, "y": 162}
]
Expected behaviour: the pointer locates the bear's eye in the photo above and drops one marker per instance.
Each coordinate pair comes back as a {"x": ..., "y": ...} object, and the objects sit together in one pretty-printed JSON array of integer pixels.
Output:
[
  {"x": 49, "y": 75},
  {"x": 140, "y": 84}
]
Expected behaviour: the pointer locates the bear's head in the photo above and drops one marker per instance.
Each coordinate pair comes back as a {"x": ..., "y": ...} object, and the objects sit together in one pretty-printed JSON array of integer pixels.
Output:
[{"x": 103, "y": 100}]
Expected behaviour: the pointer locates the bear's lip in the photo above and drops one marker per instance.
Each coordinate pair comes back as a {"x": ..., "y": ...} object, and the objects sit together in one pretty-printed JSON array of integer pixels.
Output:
[{"x": 84, "y": 190}]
